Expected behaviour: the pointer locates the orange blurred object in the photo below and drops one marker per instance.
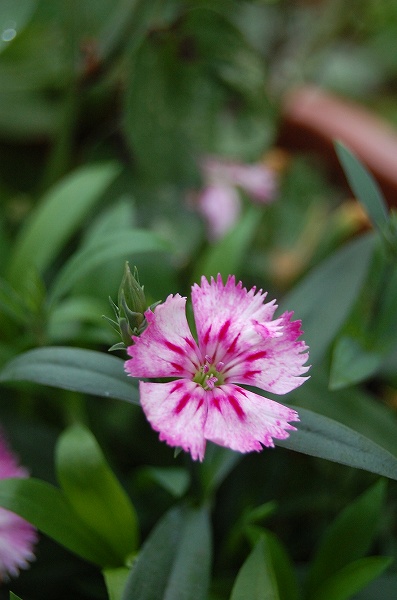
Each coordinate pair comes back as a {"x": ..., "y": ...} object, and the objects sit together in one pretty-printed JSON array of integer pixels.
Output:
[{"x": 312, "y": 119}]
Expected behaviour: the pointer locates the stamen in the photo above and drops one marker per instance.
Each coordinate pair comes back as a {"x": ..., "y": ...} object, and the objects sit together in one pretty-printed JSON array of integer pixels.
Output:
[
  {"x": 210, "y": 382},
  {"x": 205, "y": 368},
  {"x": 220, "y": 366}
]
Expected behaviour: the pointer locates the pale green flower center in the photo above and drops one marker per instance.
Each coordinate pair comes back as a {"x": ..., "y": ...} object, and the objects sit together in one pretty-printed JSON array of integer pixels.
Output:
[{"x": 209, "y": 375}]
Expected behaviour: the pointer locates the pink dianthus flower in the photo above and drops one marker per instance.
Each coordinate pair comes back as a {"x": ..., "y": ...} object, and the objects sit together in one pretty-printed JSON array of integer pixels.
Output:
[
  {"x": 239, "y": 343},
  {"x": 17, "y": 536},
  {"x": 219, "y": 202}
]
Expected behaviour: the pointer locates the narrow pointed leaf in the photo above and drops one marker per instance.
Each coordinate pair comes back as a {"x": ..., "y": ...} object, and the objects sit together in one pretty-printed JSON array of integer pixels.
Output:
[
  {"x": 324, "y": 298},
  {"x": 351, "y": 363},
  {"x": 115, "y": 580},
  {"x": 363, "y": 186},
  {"x": 75, "y": 369},
  {"x": 174, "y": 563},
  {"x": 57, "y": 217},
  {"x": 120, "y": 244},
  {"x": 348, "y": 538},
  {"x": 46, "y": 508},
  {"x": 94, "y": 492},
  {"x": 325, "y": 438},
  {"x": 352, "y": 578},
  {"x": 256, "y": 579}
]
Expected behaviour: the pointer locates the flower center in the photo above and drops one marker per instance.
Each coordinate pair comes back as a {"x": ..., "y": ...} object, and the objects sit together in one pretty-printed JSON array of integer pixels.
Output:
[{"x": 209, "y": 375}]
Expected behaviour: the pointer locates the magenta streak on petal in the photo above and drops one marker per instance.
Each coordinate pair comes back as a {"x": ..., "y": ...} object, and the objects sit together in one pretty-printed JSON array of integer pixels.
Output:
[
  {"x": 215, "y": 402},
  {"x": 207, "y": 335},
  {"x": 200, "y": 404},
  {"x": 177, "y": 386},
  {"x": 256, "y": 356},
  {"x": 182, "y": 403},
  {"x": 190, "y": 343},
  {"x": 174, "y": 347},
  {"x": 249, "y": 374},
  {"x": 223, "y": 330},
  {"x": 177, "y": 367},
  {"x": 236, "y": 407}
]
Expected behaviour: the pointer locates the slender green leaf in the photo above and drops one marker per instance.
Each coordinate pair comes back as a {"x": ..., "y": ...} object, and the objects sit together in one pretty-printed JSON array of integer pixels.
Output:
[
  {"x": 348, "y": 538},
  {"x": 324, "y": 298},
  {"x": 256, "y": 579},
  {"x": 351, "y": 363},
  {"x": 14, "y": 596},
  {"x": 94, "y": 492},
  {"x": 363, "y": 186},
  {"x": 114, "y": 245},
  {"x": 352, "y": 578},
  {"x": 115, "y": 580},
  {"x": 175, "y": 561},
  {"x": 46, "y": 507},
  {"x": 283, "y": 568},
  {"x": 57, "y": 217},
  {"x": 75, "y": 369},
  {"x": 322, "y": 437},
  {"x": 227, "y": 255}
]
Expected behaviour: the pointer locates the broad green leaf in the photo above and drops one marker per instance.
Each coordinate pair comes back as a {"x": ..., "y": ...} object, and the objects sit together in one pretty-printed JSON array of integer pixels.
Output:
[
  {"x": 352, "y": 578},
  {"x": 256, "y": 579},
  {"x": 227, "y": 256},
  {"x": 75, "y": 369},
  {"x": 57, "y": 217},
  {"x": 324, "y": 298},
  {"x": 175, "y": 561},
  {"x": 352, "y": 363},
  {"x": 113, "y": 245},
  {"x": 115, "y": 580},
  {"x": 322, "y": 437},
  {"x": 348, "y": 538},
  {"x": 46, "y": 507},
  {"x": 94, "y": 492},
  {"x": 363, "y": 186}
]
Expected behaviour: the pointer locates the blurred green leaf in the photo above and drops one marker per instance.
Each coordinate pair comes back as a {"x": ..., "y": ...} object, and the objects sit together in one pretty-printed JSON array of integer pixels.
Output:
[
  {"x": 57, "y": 217},
  {"x": 94, "y": 492},
  {"x": 113, "y": 245},
  {"x": 347, "y": 539},
  {"x": 175, "y": 561},
  {"x": 324, "y": 298},
  {"x": 13, "y": 17},
  {"x": 219, "y": 462},
  {"x": 256, "y": 579},
  {"x": 12, "y": 304},
  {"x": 175, "y": 480},
  {"x": 75, "y": 369},
  {"x": 14, "y": 596},
  {"x": 322, "y": 437},
  {"x": 227, "y": 256},
  {"x": 46, "y": 508},
  {"x": 351, "y": 363},
  {"x": 352, "y": 578},
  {"x": 115, "y": 580},
  {"x": 364, "y": 187},
  {"x": 354, "y": 407}
]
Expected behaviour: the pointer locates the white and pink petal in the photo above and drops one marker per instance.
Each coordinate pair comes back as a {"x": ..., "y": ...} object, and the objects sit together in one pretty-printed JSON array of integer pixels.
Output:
[
  {"x": 166, "y": 348},
  {"x": 178, "y": 411},
  {"x": 244, "y": 421}
]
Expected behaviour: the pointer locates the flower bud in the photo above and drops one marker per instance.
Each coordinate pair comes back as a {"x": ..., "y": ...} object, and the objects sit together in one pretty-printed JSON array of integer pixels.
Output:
[{"x": 130, "y": 318}]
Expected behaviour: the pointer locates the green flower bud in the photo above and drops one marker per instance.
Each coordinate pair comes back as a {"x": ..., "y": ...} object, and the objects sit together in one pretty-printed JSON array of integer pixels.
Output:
[{"x": 130, "y": 318}]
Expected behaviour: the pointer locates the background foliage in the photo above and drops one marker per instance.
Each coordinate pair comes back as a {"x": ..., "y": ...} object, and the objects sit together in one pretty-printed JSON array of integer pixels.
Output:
[{"x": 106, "y": 111}]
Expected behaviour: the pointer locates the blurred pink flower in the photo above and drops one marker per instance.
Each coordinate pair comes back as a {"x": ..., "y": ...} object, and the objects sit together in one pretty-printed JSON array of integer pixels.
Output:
[
  {"x": 17, "y": 536},
  {"x": 238, "y": 343},
  {"x": 219, "y": 202}
]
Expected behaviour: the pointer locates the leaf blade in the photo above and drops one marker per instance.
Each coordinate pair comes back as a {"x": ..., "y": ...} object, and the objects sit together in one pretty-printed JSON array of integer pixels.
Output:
[{"x": 74, "y": 369}]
